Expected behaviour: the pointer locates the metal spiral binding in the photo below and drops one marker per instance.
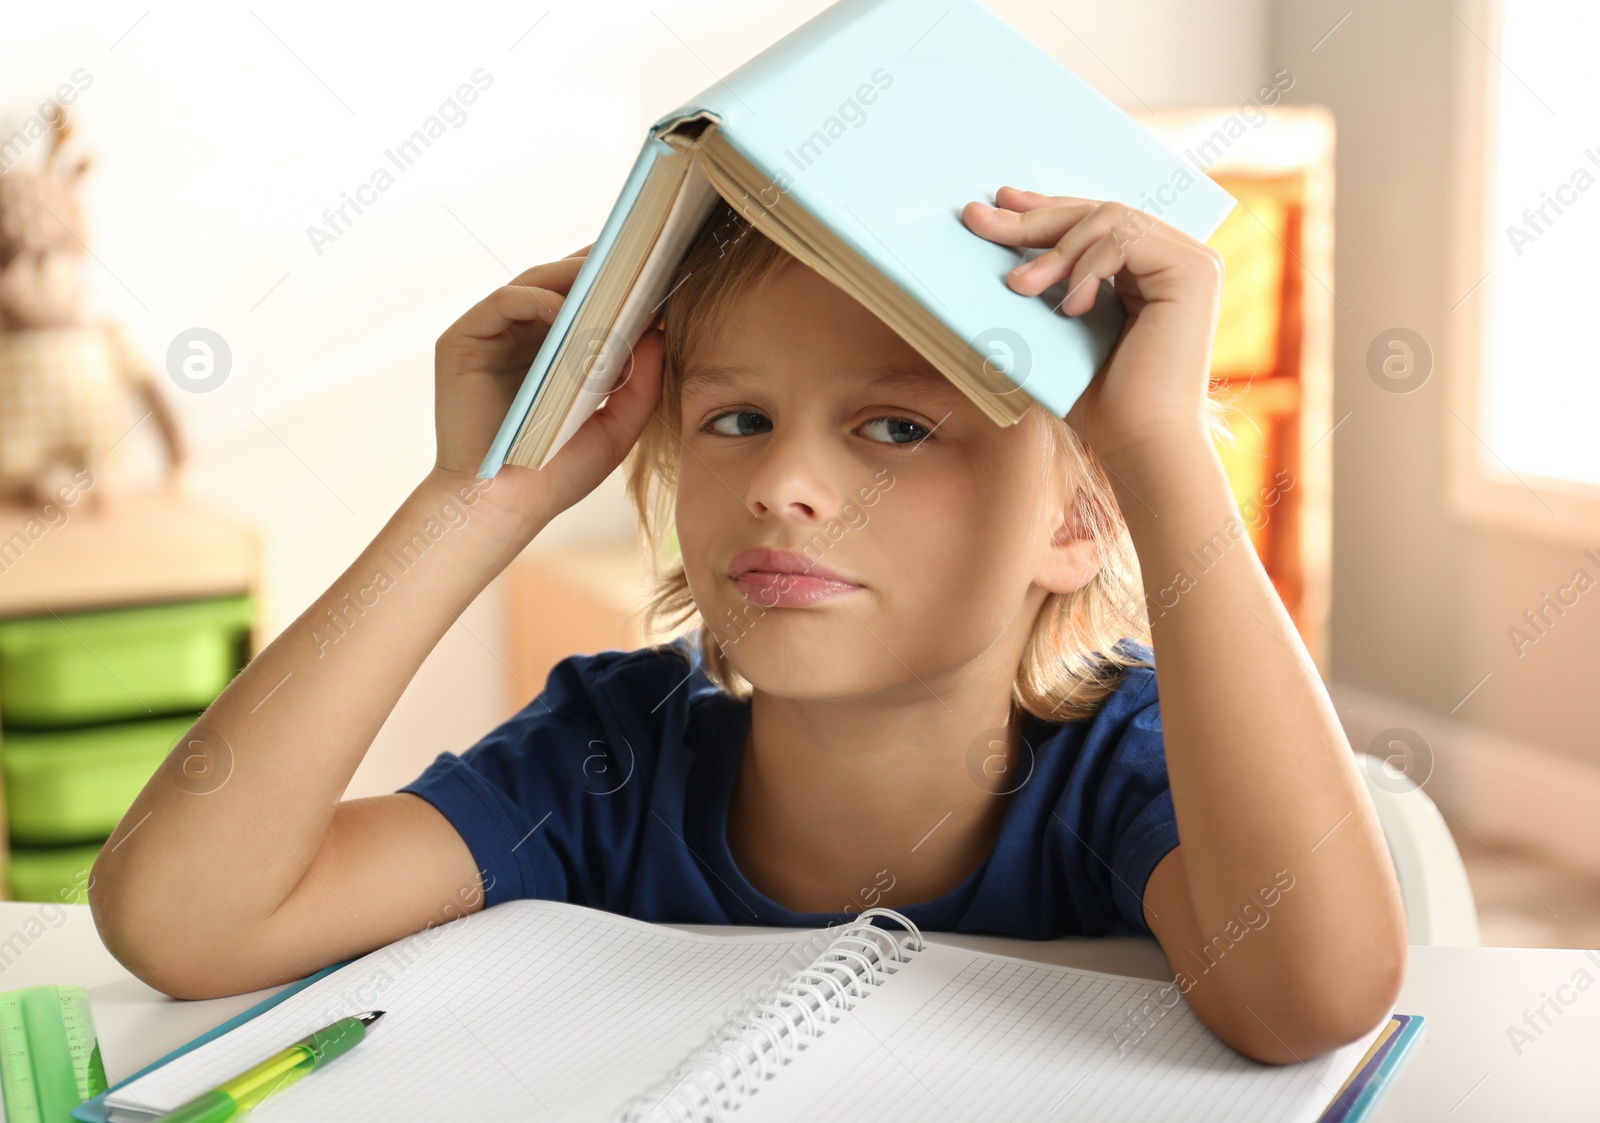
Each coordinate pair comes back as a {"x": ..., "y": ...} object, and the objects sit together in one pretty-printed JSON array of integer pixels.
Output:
[{"x": 770, "y": 1030}]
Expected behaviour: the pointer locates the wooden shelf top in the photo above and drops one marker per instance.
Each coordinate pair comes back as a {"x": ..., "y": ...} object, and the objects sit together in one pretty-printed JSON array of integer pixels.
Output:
[{"x": 146, "y": 546}]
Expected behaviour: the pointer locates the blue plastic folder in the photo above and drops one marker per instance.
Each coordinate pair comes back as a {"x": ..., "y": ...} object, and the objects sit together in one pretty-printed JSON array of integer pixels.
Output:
[
  {"x": 875, "y": 122},
  {"x": 94, "y": 1110},
  {"x": 1355, "y": 1100}
]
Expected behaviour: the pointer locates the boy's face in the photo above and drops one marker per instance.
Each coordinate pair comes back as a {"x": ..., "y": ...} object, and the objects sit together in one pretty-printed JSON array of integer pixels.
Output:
[{"x": 941, "y": 519}]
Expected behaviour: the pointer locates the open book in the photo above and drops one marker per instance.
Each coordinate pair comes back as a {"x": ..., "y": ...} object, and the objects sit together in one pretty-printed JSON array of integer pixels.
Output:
[
  {"x": 545, "y": 1010},
  {"x": 854, "y": 142}
]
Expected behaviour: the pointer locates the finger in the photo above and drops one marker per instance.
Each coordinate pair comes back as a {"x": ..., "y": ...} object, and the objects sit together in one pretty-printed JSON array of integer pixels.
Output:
[
  {"x": 1032, "y": 224},
  {"x": 621, "y": 418},
  {"x": 554, "y": 275},
  {"x": 1021, "y": 199},
  {"x": 1031, "y": 218},
  {"x": 1104, "y": 258},
  {"x": 506, "y": 307},
  {"x": 628, "y": 407},
  {"x": 1126, "y": 227}
]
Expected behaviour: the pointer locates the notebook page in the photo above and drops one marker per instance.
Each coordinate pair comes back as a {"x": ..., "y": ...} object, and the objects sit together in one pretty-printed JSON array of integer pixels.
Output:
[
  {"x": 531, "y": 1009},
  {"x": 963, "y": 1035}
]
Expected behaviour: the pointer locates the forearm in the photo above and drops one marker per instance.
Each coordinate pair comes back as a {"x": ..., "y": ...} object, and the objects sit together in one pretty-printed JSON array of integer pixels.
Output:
[
  {"x": 229, "y": 824},
  {"x": 1263, "y": 779}
]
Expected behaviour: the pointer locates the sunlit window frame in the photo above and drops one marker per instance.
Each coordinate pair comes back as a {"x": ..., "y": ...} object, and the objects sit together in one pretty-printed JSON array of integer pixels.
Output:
[{"x": 1479, "y": 490}]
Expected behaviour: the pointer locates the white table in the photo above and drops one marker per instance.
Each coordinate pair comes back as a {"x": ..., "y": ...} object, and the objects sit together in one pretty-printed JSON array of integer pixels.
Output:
[{"x": 1465, "y": 1067}]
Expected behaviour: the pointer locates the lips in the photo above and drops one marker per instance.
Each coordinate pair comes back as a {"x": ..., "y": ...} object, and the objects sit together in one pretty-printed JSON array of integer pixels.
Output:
[
  {"x": 766, "y": 559},
  {"x": 785, "y": 578}
]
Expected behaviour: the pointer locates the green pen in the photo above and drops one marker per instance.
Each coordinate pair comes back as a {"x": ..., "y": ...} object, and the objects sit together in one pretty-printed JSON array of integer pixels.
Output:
[{"x": 249, "y": 1088}]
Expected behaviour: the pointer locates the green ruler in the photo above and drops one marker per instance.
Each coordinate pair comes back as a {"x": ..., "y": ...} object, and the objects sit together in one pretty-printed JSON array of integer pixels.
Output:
[{"x": 49, "y": 1058}]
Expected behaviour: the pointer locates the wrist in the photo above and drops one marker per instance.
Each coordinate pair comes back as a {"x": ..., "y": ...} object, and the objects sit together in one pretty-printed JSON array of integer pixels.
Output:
[
  {"x": 456, "y": 498},
  {"x": 1161, "y": 453},
  {"x": 1176, "y": 491}
]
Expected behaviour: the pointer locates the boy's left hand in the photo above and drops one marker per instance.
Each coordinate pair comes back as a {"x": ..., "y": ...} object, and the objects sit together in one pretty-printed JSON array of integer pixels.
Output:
[{"x": 1153, "y": 387}]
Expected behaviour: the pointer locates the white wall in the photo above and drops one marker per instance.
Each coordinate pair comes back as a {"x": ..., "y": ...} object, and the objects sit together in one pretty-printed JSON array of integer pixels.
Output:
[{"x": 220, "y": 135}]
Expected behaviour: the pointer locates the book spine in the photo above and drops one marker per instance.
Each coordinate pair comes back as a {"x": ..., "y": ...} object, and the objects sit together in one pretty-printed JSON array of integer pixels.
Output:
[{"x": 770, "y": 1030}]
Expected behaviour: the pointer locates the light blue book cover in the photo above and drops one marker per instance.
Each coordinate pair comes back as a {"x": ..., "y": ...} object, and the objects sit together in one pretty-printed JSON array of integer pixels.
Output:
[{"x": 884, "y": 118}]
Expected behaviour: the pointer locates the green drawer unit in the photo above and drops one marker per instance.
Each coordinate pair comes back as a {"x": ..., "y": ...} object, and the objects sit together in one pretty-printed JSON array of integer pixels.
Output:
[
  {"x": 121, "y": 663},
  {"x": 60, "y": 874},
  {"x": 74, "y": 785}
]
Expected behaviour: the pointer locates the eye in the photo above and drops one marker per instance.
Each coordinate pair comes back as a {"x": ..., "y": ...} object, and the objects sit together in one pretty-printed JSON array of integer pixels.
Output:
[
  {"x": 901, "y": 430},
  {"x": 740, "y": 416}
]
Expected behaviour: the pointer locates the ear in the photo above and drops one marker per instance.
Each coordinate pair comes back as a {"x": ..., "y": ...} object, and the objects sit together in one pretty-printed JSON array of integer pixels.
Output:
[{"x": 1070, "y": 558}]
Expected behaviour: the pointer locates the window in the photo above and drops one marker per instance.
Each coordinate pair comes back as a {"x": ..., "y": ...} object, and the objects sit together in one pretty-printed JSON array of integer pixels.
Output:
[{"x": 1522, "y": 421}]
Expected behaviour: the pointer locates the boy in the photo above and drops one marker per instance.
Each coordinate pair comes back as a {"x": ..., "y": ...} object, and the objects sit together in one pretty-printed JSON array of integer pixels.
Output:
[{"x": 903, "y": 688}]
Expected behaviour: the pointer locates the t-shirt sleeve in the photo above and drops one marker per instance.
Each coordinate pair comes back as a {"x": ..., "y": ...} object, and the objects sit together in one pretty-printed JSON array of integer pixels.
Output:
[
  {"x": 1119, "y": 809},
  {"x": 543, "y": 801},
  {"x": 1145, "y": 826}
]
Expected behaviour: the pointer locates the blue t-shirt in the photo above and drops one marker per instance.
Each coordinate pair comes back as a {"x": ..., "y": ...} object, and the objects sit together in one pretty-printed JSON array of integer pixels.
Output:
[{"x": 611, "y": 789}]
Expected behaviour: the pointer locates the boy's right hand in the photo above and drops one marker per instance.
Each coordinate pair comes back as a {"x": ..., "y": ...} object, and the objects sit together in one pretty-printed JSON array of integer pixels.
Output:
[{"x": 479, "y": 364}]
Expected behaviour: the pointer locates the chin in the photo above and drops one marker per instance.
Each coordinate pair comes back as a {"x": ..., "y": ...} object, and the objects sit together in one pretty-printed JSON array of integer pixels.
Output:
[{"x": 777, "y": 661}]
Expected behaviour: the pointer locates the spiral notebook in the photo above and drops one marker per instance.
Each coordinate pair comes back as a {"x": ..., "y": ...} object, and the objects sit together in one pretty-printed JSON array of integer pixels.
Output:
[{"x": 545, "y": 1010}]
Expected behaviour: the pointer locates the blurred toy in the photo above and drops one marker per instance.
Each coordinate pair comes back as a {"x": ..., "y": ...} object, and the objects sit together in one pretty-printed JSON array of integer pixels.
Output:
[{"x": 64, "y": 383}]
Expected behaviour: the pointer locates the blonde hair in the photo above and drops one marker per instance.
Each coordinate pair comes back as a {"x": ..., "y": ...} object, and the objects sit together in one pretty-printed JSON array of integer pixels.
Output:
[{"x": 1072, "y": 661}]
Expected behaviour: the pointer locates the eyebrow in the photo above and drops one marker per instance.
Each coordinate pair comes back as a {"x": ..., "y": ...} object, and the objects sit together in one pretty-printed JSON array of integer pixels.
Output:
[{"x": 894, "y": 376}]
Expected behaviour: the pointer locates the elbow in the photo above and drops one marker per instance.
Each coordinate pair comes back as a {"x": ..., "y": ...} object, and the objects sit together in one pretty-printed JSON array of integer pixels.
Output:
[
  {"x": 1319, "y": 1011},
  {"x": 147, "y": 954},
  {"x": 111, "y": 906},
  {"x": 170, "y": 967},
  {"x": 174, "y": 982},
  {"x": 163, "y": 958}
]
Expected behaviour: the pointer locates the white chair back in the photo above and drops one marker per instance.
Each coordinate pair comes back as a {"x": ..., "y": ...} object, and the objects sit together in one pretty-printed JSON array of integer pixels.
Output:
[{"x": 1433, "y": 880}]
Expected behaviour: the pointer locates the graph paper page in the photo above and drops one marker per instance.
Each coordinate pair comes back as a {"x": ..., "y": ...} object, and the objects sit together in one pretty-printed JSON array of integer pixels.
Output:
[
  {"x": 530, "y": 1010},
  {"x": 962, "y": 1035}
]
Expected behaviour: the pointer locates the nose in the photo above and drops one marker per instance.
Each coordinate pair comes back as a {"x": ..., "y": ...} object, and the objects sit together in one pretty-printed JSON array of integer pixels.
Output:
[{"x": 795, "y": 474}]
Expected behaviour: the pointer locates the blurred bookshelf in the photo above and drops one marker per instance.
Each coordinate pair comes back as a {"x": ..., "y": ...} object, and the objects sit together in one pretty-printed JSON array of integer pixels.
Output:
[
  {"x": 117, "y": 629},
  {"x": 1273, "y": 359}
]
